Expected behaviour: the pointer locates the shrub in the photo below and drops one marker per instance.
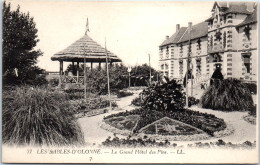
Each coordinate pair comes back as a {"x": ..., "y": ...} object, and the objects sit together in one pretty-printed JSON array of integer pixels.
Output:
[
  {"x": 193, "y": 101},
  {"x": 124, "y": 94},
  {"x": 252, "y": 87},
  {"x": 252, "y": 110},
  {"x": 140, "y": 142},
  {"x": 36, "y": 116},
  {"x": 137, "y": 101},
  {"x": 166, "y": 97},
  {"x": 54, "y": 82},
  {"x": 227, "y": 95},
  {"x": 83, "y": 105}
]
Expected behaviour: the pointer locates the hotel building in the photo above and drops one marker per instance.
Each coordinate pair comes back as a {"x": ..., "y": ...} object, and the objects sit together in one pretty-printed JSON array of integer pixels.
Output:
[{"x": 228, "y": 40}]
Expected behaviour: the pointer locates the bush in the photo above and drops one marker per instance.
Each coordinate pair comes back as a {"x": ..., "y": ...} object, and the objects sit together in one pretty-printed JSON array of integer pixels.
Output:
[
  {"x": 192, "y": 101},
  {"x": 252, "y": 87},
  {"x": 166, "y": 97},
  {"x": 36, "y": 116},
  {"x": 227, "y": 95},
  {"x": 54, "y": 82},
  {"x": 137, "y": 101},
  {"x": 121, "y": 94},
  {"x": 83, "y": 105},
  {"x": 252, "y": 110}
]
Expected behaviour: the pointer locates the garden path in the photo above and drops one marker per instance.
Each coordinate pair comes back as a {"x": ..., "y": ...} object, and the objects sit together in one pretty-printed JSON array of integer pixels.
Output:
[
  {"x": 90, "y": 126},
  {"x": 243, "y": 130}
]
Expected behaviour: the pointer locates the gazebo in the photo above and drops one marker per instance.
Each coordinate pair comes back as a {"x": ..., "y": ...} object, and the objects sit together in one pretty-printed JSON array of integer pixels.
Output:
[{"x": 84, "y": 50}]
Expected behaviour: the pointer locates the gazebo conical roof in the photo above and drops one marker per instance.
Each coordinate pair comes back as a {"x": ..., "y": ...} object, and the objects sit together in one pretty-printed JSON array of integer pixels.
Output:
[{"x": 86, "y": 48}]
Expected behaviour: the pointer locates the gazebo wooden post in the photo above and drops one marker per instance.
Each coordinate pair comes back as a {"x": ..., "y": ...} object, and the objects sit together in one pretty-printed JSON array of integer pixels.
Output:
[
  {"x": 77, "y": 72},
  {"x": 99, "y": 66},
  {"x": 91, "y": 65},
  {"x": 85, "y": 80},
  {"x": 73, "y": 68},
  {"x": 61, "y": 72}
]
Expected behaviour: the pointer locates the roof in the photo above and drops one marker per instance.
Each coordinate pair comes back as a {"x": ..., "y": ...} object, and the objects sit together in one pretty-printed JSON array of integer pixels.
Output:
[
  {"x": 233, "y": 7},
  {"x": 197, "y": 31},
  {"x": 249, "y": 19},
  {"x": 85, "y": 48},
  {"x": 175, "y": 37},
  {"x": 238, "y": 7}
]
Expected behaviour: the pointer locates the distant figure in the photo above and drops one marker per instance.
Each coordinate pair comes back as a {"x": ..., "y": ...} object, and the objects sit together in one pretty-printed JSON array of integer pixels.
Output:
[{"x": 216, "y": 76}]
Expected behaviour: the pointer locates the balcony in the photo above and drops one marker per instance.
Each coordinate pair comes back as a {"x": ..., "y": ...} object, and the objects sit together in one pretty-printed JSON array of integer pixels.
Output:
[{"x": 215, "y": 48}]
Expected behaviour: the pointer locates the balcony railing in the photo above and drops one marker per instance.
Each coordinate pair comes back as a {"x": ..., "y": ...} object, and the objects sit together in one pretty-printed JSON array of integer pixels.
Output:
[{"x": 72, "y": 79}]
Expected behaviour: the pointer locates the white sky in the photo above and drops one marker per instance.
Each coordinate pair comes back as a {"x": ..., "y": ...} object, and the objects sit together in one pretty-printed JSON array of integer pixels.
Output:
[{"x": 132, "y": 29}]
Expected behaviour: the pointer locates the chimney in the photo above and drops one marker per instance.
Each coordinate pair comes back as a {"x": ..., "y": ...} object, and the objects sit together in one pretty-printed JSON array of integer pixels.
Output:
[
  {"x": 167, "y": 37},
  {"x": 190, "y": 26},
  {"x": 177, "y": 27},
  {"x": 250, "y": 6}
]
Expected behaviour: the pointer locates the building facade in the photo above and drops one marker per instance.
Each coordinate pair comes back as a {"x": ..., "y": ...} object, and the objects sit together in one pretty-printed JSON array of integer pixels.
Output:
[{"x": 228, "y": 40}]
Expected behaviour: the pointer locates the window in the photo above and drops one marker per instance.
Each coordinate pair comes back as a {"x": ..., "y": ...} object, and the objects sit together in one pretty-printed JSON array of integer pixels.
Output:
[
  {"x": 198, "y": 62},
  {"x": 246, "y": 59},
  {"x": 162, "y": 67},
  {"x": 181, "y": 67},
  {"x": 181, "y": 46},
  {"x": 225, "y": 18},
  {"x": 199, "y": 43},
  {"x": 211, "y": 41},
  {"x": 247, "y": 31},
  {"x": 166, "y": 67},
  {"x": 166, "y": 74},
  {"x": 216, "y": 58},
  {"x": 218, "y": 35},
  {"x": 224, "y": 40}
]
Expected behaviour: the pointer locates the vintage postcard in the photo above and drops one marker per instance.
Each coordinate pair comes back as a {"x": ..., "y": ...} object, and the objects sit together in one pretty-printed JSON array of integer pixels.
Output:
[{"x": 130, "y": 81}]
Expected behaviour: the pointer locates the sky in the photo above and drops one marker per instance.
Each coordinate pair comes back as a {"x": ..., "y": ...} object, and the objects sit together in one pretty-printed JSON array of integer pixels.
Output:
[{"x": 132, "y": 29}]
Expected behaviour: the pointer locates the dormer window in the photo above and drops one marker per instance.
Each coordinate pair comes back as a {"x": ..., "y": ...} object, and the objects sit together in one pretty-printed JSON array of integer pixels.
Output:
[
  {"x": 167, "y": 49},
  {"x": 247, "y": 31}
]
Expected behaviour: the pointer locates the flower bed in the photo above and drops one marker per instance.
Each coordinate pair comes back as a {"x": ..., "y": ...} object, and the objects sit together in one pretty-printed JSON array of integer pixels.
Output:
[
  {"x": 206, "y": 122},
  {"x": 123, "y": 93},
  {"x": 148, "y": 142}
]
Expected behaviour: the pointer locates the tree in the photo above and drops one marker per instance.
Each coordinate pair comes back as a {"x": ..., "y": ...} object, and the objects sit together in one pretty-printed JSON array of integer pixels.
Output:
[
  {"x": 19, "y": 40},
  {"x": 141, "y": 75}
]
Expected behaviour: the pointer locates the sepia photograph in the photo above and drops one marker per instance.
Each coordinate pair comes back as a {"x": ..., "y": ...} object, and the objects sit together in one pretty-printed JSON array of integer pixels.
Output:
[{"x": 130, "y": 81}]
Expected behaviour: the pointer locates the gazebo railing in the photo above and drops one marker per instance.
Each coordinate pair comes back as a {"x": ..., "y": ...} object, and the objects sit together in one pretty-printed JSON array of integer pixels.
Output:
[{"x": 72, "y": 79}]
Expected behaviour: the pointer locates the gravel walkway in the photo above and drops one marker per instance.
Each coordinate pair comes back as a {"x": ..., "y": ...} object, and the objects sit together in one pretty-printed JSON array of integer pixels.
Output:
[
  {"x": 90, "y": 126},
  {"x": 243, "y": 130}
]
